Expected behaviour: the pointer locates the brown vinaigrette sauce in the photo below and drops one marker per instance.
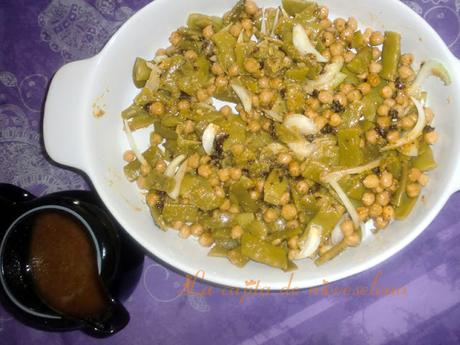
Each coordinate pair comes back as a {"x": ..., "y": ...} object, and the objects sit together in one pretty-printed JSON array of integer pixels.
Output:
[{"x": 64, "y": 266}]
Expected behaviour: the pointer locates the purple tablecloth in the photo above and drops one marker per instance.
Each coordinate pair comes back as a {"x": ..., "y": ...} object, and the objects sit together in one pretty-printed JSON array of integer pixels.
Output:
[{"x": 413, "y": 298}]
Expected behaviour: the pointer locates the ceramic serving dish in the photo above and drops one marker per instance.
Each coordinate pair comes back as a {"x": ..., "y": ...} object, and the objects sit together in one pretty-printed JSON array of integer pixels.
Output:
[{"x": 76, "y": 138}]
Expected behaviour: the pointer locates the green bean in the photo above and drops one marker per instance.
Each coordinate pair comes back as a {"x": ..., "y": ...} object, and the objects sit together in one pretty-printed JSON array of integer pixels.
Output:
[
  {"x": 141, "y": 72},
  {"x": 225, "y": 44},
  {"x": 293, "y": 7},
  {"x": 197, "y": 21},
  {"x": 331, "y": 253},
  {"x": 350, "y": 153},
  {"x": 275, "y": 186},
  {"x": 263, "y": 252},
  {"x": 398, "y": 196},
  {"x": 185, "y": 213},
  {"x": 361, "y": 61},
  {"x": 142, "y": 120},
  {"x": 239, "y": 195},
  {"x": 390, "y": 55},
  {"x": 425, "y": 161},
  {"x": 200, "y": 193}
]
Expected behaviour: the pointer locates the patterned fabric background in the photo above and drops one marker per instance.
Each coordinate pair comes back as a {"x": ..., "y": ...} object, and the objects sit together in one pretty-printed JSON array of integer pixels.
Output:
[{"x": 39, "y": 36}]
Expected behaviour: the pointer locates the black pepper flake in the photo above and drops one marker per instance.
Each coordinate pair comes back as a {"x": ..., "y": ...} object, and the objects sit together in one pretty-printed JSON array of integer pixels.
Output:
[
  {"x": 393, "y": 114},
  {"x": 428, "y": 129},
  {"x": 376, "y": 170},
  {"x": 337, "y": 107},
  {"x": 161, "y": 200},
  {"x": 315, "y": 93},
  {"x": 315, "y": 188},
  {"x": 381, "y": 131},
  {"x": 310, "y": 137},
  {"x": 393, "y": 127},
  {"x": 327, "y": 129},
  {"x": 399, "y": 84}
]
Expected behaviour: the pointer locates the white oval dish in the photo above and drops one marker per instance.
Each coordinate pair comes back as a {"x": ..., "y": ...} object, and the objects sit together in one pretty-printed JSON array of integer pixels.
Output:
[{"x": 76, "y": 138}]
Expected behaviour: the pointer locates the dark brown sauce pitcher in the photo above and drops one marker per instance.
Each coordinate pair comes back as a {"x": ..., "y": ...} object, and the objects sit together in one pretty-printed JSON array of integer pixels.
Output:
[{"x": 60, "y": 262}]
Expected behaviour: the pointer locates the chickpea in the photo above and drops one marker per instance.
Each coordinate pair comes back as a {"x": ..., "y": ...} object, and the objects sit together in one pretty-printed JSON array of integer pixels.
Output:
[
  {"x": 196, "y": 229},
  {"x": 302, "y": 187},
  {"x": 160, "y": 166},
  {"x": 270, "y": 215},
  {"x": 254, "y": 126},
  {"x": 423, "y": 180},
  {"x": 219, "y": 191},
  {"x": 204, "y": 170},
  {"x": 384, "y": 121},
  {"x": 335, "y": 120},
  {"x": 354, "y": 96},
  {"x": 336, "y": 49},
  {"x": 353, "y": 240},
  {"x": 323, "y": 12},
  {"x": 368, "y": 198},
  {"x": 375, "y": 67},
  {"x": 176, "y": 225},
  {"x": 347, "y": 227},
  {"x": 325, "y": 97},
  {"x": 276, "y": 83},
  {"x": 225, "y": 205},
  {"x": 152, "y": 199},
  {"x": 129, "y": 156},
  {"x": 375, "y": 210},
  {"x": 407, "y": 122},
  {"x": 320, "y": 122},
  {"x": 352, "y": 24},
  {"x": 413, "y": 190},
  {"x": 206, "y": 239},
  {"x": 224, "y": 174},
  {"x": 157, "y": 109},
  {"x": 292, "y": 224},
  {"x": 235, "y": 29},
  {"x": 234, "y": 209},
  {"x": 383, "y": 198},
  {"x": 289, "y": 212},
  {"x": 184, "y": 231},
  {"x": 266, "y": 97},
  {"x": 260, "y": 185},
  {"x": 373, "y": 79},
  {"x": 380, "y": 222},
  {"x": 285, "y": 198},
  {"x": 293, "y": 253},
  {"x": 293, "y": 242},
  {"x": 388, "y": 212},
  {"x": 247, "y": 24},
  {"x": 371, "y": 181},
  {"x": 174, "y": 39},
  {"x": 235, "y": 173},
  {"x": 254, "y": 195},
  {"x": 429, "y": 115},
  {"x": 386, "y": 179},
  {"x": 208, "y": 32},
  {"x": 221, "y": 82},
  {"x": 407, "y": 59},
  {"x": 250, "y": 7},
  {"x": 348, "y": 56},
  {"x": 294, "y": 169},
  {"x": 284, "y": 158},
  {"x": 252, "y": 65},
  {"x": 236, "y": 232},
  {"x": 363, "y": 213},
  {"x": 145, "y": 169},
  {"x": 372, "y": 136},
  {"x": 193, "y": 161},
  {"x": 365, "y": 88},
  {"x": 405, "y": 72},
  {"x": 390, "y": 102},
  {"x": 376, "y": 38},
  {"x": 431, "y": 137},
  {"x": 264, "y": 83},
  {"x": 340, "y": 24},
  {"x": 234, "y": 70},
  {"x": 225, "y": 110},
  {"x": 386, "y": 92}
]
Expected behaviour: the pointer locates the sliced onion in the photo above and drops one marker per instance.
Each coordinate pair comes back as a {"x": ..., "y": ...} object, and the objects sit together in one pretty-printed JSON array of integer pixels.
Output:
[
  {"x": 337, "y": 175},
  {"x": 276, "y": 148},
  {"x": 158, "y": 59},
  {"x": 133, "y": 145},
  {"x": 303, "y": 45},
  {"x": 263, "y": 25},
  {"x": 414, "y": 133},
  {"x": 240, "y": 37},
  {"x": 330, "y": 79},
  {"x": 302, "y": 149},
  {"x": 172, "y": 166},
  {"x": 346, "y": 202},
  {"x": 174, "y": 194},
  {"x": 410, "y": 149},
  {"x": 208, "y": 138},
  {"x": 336, "y": 235},
  {"x": 310, "y": 245},
  {"x": 275, "y": 22},
  {"x": 275, "y": 116},
  {"x": 303, "y": 124},
  {"x": 243, "y": 95},
  {"x": 431, "y": 67},
  {"x": 153, "y": 83}
]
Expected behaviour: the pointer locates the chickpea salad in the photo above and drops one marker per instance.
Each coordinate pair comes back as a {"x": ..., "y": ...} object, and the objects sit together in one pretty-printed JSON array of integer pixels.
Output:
[{"x": 326, "y": 129}]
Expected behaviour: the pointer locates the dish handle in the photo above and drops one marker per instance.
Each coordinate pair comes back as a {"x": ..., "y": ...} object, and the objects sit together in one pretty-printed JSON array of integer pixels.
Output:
[{"x": 65, "y": 113}]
